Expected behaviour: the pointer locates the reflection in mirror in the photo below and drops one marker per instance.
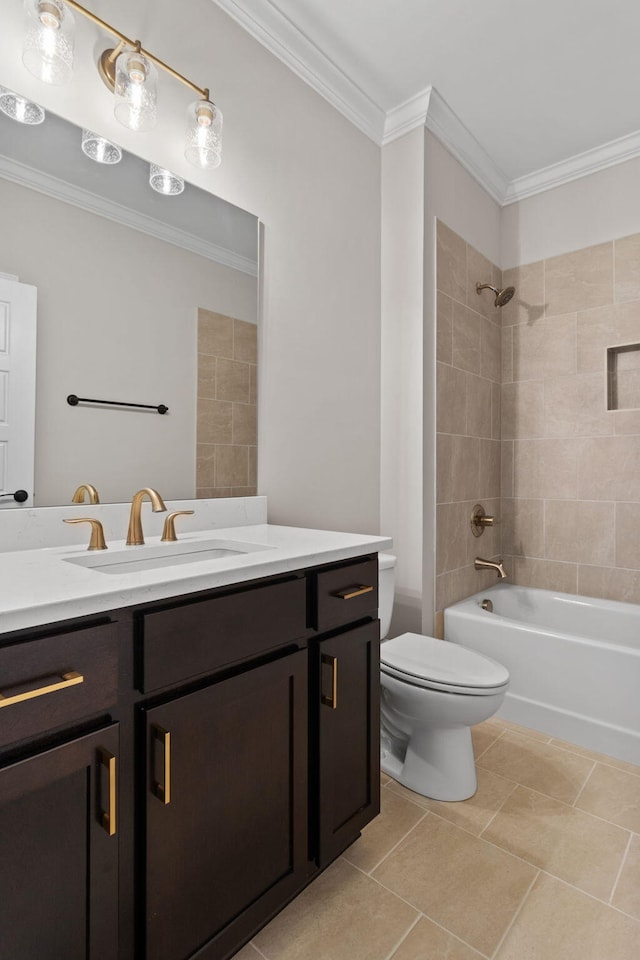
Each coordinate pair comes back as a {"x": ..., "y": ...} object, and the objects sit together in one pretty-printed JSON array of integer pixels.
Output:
[{"x": 142, "y": 299}]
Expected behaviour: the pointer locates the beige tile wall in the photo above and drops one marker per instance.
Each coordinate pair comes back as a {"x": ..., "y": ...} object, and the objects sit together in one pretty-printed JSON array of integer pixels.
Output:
[
  {"x": 571, "y": 468},
  {"x": 226, "y": 426},
  {"x": 469, "y": 366}
]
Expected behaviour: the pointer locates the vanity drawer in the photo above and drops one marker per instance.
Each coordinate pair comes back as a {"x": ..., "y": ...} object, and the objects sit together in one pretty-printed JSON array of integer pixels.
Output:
[
  {"x": 199, "y": 638},
  {"x": 346, "y": 594},
  {"x": 55, "y": 681}
]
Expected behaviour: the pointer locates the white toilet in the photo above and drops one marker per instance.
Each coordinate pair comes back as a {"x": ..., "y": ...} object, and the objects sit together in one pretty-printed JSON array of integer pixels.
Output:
[{"x": 432, "y": 693}]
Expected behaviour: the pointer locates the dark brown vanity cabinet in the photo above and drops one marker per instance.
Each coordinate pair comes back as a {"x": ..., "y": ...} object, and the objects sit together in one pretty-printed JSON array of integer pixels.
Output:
[
  {"x": 172, "y": 775},
  {"x": 348, "y": 737},
  {"x": 59, "y": 846},
  {"x": 226, "y": 809},
  {"x": 59, "y": 852}
]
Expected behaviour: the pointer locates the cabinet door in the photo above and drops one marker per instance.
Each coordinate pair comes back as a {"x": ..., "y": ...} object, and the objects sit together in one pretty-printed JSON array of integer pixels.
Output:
[
  {"x": 59, "y": 876},
  {"x": 349, "y": 737},
  {"x": 226, "y": 807}
]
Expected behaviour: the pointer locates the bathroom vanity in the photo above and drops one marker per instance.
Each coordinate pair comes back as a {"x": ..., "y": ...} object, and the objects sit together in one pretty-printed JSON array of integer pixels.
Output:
[{"x": 174, "y": 769}]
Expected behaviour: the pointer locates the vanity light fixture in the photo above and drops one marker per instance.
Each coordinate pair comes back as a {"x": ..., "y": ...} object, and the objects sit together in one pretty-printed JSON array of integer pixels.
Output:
[
  {"x": 47, "y": 50},
  {"x": 19, "y": 108},
  {"x": 99, "y": 149},
  {"x": 165, "y": 182},
  {"x": 127, "y": 69}
]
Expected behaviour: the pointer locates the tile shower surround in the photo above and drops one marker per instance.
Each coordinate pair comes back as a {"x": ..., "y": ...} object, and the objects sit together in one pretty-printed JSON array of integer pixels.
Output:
[
  {"x": 226, "y": 420},
  {"x": 569, "y": 495},
  {"x": 543, "y": 863}
]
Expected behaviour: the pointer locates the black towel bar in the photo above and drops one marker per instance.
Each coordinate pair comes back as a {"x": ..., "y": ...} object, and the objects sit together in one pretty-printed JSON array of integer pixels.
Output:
[{"x": 73, "y": 401}]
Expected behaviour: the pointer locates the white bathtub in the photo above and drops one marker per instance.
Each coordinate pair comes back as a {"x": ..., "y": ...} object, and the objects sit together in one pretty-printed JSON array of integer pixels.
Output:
[{"x": 574, "y": 662}]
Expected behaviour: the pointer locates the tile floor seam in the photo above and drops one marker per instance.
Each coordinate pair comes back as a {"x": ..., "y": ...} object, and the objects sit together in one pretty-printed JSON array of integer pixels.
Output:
[
  {"x": 515, "y": 915},
  {"x": 425, "y": 813},
  {"x": 258, "y": 951},
  {"x": 455, "y": 936},
  {"x": 389, "y": 890},
  {"x": 402, "y": 939},
  {"x": 490, "y": 843},
  {"x": 602, "y": 758},
  {"x": 534, "y": 866},
  {"x": 526, "y": 785},
  {"x": 571, "y": 806},
  {"x": 581, "y": 790},
  {"x": 591, "y": 896},
  {"x": 621, "y": 868},
  {"x": 497, "y": 811}
]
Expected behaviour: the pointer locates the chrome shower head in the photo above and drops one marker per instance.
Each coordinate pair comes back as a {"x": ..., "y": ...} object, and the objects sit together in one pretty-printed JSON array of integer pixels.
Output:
[{"x": 502, "y": 296}]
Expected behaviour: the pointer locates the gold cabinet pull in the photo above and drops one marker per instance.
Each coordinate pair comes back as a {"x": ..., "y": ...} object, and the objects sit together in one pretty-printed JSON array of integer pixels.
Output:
[
  {"x": 66, "y": 680},
  {"x": 331, "y": 701},
  {"x": 108, "y": 817},
  {"x": 350, "y": 592},
  {"x": 163, "y": 790}
]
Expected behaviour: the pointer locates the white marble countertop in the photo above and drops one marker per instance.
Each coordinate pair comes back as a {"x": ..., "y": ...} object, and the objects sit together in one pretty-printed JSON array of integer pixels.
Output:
[{"x": 40, "y": 586}]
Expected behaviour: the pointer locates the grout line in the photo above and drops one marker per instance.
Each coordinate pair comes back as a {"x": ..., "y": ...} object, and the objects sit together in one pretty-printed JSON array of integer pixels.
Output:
[
  {"x": 259, "y": 952},
  {"x": 402, "y": 939},
  {"x": 496, "y": 812},
  {"x": 621, "y": 868},
  {"x": 455, "y": 936},
  {"x": 588, "y": 777},
  {"x": 603, "y": 759},
  {"x": 586, "y": 893},
  {"x": 395, "y": 846},
  {"x": 515, "y": 916}
]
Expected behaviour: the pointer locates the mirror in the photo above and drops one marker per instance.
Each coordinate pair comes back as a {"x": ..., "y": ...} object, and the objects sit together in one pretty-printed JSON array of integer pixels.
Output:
[{"x": 142, "y": 299}]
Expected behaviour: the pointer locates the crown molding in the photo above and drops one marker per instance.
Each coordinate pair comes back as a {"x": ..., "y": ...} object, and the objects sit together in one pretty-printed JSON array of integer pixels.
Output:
[
  {"x": 581, "y": 165},
  {"x": 296, "y": 50},
  {"x": 428, "y": 109},
  {"x": 69, "y": 193},
  {"x": 266, "y": 24}
]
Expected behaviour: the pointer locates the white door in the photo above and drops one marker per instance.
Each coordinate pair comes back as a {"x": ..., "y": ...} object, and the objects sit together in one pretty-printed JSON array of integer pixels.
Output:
[{"x": 17, "y": 391}]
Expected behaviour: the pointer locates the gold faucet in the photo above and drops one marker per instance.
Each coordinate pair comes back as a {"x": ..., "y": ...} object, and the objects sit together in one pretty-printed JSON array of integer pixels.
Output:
[
  {"x": 97, "y": 541},
  {"x": 134, "y": 533},
  {"x": 90, "y": 491},
  {"x": 498, "y": 566},
  {"x": 169, "y": 529}
]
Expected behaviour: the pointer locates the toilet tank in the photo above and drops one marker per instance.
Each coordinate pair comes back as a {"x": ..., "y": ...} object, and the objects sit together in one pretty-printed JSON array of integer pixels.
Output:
[{"x": 386, "y": 585}]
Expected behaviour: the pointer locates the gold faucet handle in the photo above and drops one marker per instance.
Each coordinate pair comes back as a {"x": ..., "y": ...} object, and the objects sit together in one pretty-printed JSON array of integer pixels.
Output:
[
  {"x": 97, "y": 541},
  {"x": 169, "y": 530}
]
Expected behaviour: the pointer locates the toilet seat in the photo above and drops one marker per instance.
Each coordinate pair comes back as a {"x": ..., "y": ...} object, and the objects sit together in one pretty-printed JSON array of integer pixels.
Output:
[{"x": 438, "y": 665}]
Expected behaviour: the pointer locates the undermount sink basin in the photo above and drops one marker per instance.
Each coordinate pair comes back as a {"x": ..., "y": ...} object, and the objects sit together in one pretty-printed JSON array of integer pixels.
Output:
[{"x": 135, "y": 559}]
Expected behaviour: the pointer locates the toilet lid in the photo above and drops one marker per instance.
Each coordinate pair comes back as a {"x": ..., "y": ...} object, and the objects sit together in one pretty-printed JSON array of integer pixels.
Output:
[{"x": 425, "y": 659}]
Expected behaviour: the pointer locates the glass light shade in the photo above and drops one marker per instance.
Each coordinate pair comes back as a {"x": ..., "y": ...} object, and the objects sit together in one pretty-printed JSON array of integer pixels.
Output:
[
  {"x": 203, "y": 147},
  {"x": 136, "y": 91},
  {"x": 163, "y": 181},
  {"x": 16, "y": 107},
  {"x": 99, "y": 149},
  {"x": 47, "y": 50}
]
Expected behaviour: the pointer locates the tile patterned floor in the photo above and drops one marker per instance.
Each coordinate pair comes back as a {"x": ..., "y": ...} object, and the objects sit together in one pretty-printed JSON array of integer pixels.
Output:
[{"x": 543, "y": 863}]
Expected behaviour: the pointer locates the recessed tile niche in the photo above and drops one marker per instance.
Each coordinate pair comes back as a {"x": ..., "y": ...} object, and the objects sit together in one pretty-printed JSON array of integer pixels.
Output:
[{"x": 623, "y": 377}]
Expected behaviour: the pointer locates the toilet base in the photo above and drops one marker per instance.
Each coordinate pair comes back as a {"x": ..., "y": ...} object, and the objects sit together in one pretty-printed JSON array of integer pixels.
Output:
[{"x": 435, "y": 762}]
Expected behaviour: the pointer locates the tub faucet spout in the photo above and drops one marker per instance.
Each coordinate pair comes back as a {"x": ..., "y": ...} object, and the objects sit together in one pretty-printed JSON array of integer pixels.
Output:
[{"x": 496, "y": 565}]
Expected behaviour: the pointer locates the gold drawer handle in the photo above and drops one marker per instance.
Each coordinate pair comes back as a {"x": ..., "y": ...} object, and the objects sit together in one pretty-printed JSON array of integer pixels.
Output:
[
  {"x": 350, "y": 592},
  {"x": 331, "y": 701},
  {"x": 66, "y": 680},
  {"x": 108, "y": 818},
  {"x": 163, "y": 790}
]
